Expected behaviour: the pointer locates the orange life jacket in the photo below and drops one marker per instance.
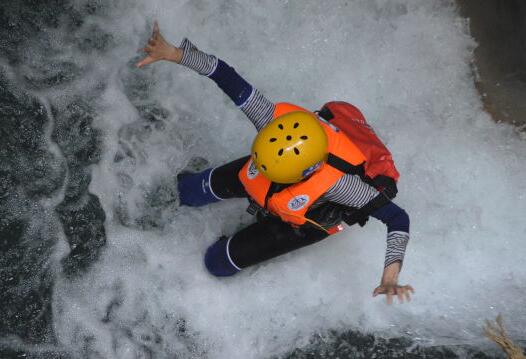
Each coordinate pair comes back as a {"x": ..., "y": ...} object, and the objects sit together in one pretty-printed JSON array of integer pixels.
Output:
[{"x": 292, "y": 203}]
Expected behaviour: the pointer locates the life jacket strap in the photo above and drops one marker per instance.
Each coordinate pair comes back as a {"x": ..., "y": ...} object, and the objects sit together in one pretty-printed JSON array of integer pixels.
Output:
[{"x": 254, "y": 208}]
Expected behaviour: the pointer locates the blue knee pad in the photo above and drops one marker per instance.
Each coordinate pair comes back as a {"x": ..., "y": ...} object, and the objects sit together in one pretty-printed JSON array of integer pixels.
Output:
[
  {"x": 217, "y": 259},
  {"x": 194, "y": 189}
]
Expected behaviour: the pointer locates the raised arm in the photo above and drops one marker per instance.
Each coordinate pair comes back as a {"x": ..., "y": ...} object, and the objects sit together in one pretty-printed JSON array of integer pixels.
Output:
[{"x": 253, "y": 104}]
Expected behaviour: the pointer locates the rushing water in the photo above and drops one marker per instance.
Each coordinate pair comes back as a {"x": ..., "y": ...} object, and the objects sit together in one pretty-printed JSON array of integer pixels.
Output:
[{"x": 98, "y": 260}]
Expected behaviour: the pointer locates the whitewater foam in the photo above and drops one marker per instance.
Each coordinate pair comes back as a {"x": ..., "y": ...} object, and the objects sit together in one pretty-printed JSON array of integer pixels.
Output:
[{"x": 406, "y": 65}]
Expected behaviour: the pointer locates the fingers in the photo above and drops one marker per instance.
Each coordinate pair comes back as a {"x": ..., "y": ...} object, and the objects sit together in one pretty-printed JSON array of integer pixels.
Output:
[
  {"x": 389, "y": 296},
  {"x": 146, "y": 61},
  {"x": 400, "y": 295},
  {"x": 391, "y": 292},
  {"x": 407, "y": 296},
  {"x": 408, "y": 291},
  {"x": 378, "y": 290},
  {"x": 404, "y": 292},
  {"x": 401, "y": 292},
  {"x": 156, "y": 31},
  {"x": 152, "y": 43}
]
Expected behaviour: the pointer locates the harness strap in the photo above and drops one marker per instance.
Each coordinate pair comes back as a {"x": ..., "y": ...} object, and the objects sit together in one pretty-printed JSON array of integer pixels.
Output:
[{"x": 344, "y": 166}]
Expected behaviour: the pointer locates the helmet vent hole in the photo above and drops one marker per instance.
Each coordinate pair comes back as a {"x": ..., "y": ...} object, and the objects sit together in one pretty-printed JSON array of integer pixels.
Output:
[
  {"x": 280, "y": 126},
  {"x": 289, "y": 138},
  {"x": 273, "y": 139},
  {"x": 255, "y": 155},
  {"x": 296, "y": 125},
  {"x": 280, "y": 152},
  {"x": 296, "y": 151},
  {"x": 264, "y": 167},
  {"x": 303, "y": 137}
]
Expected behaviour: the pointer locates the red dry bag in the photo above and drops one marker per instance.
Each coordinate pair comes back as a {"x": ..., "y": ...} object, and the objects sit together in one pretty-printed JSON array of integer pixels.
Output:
[{"x": 379, "y": 167}]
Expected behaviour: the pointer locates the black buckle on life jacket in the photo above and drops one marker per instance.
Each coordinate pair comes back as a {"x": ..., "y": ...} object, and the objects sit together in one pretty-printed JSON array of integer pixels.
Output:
[{"x": 253, "y": 207}]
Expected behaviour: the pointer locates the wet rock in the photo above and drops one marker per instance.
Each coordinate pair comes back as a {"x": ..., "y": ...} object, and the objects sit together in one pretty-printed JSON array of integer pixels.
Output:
[
  {"x": 27, "y": 171},
  {"x": 153, "y": 112},
  {"x": 197, "y": 164},
  {"x": 7, "y": 184},
  {"x": 23, "y": 120},
  {"x": 24, "y": 152},
  {"x": 160, "y": 202},
  {"x": 10, "y": 234},
  {"x": 32, "y": 44},
  {"x": 80, "y": 213},
  {"x": 25, "y": 243},
  {"x": 74, "y": 133},
  {"x": 353, "y": 344},
  {"x": 41, "y": 173},
  {"x": 83, "y": 224},
  {"x": 499, "y": 27},
  {"x": 24, "y": 20},
  {"x": 52, "y": 74},
  {"x": 78, "y": 183},
  {"x": 34, "y": 309},
  {"x": 93, "y": 38}
]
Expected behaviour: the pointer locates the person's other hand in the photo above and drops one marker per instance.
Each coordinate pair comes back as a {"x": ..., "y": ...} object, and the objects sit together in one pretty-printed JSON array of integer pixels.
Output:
[
  {"x": 160, "y": 49},
  {"x": 393, "y": 289}
]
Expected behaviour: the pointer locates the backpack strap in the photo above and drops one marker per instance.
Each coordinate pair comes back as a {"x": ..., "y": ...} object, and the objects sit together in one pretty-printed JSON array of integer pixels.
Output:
[
  {"x": 362, "y": 215},
  {"x": 337, "y": 162},
  {"x": 325, "y": 113},
  {"x": 387, "y": 185},
  {"x": 343, "y": 166}
]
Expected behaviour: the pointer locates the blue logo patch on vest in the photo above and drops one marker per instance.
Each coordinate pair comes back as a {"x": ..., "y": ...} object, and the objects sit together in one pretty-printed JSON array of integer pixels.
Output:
[
  {"x": 252, "y": 170},
  {"x": 298, "y": 202},
  {"x": 311, "y": 169}
]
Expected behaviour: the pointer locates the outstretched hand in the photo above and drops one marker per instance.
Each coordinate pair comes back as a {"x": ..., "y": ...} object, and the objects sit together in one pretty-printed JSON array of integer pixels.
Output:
[
  {"x": 389, "y": 285},
  {"x": 160, "y": 49},
  {"x": 390, "y": 290}
]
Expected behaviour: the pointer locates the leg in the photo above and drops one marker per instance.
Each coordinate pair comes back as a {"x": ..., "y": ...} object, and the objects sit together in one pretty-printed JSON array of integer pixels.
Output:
[
  {"x": 211, "y": 185},
  {"x": 257, "y": 243}
]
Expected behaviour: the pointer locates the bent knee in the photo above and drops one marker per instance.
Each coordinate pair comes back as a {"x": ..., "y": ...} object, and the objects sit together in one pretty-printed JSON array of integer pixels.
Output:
[{"x": 218, "y": 261}]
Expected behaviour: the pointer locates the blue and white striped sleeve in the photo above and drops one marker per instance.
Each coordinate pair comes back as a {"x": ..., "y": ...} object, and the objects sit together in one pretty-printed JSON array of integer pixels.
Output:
[
  {"x": 351, "y": 191},
  {"x": 255, "y": 106},
  {"x": 397, "y": 222}
]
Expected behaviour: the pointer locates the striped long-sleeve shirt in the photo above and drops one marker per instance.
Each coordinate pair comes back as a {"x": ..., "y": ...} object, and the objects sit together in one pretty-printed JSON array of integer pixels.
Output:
[{"x": 349, "y": 190}]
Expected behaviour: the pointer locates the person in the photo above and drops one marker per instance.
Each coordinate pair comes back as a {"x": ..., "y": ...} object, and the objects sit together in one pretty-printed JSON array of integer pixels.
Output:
[{"x": 290, "y": 152}]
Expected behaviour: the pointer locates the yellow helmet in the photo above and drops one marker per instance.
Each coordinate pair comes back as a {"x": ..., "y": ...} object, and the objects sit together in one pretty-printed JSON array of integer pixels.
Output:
[{"x": 290, "y": 147}]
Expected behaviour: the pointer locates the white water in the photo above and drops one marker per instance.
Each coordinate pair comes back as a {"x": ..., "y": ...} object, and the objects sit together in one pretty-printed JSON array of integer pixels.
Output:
[{"x": 406, "y": 65}]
